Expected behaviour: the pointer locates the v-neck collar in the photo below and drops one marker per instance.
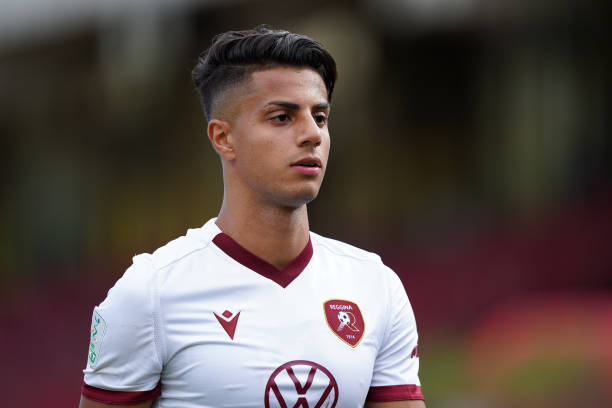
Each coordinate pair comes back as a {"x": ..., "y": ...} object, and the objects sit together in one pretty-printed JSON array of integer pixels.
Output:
[{"x": 282, "y": 277}]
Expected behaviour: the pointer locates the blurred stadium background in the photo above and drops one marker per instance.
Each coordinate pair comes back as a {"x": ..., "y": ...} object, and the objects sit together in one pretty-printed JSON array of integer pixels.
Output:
[{"x": 471, "y": 148}]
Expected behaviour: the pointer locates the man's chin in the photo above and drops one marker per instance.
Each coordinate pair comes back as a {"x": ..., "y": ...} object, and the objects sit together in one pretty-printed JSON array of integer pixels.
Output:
[{"x": 299, "y": 200}]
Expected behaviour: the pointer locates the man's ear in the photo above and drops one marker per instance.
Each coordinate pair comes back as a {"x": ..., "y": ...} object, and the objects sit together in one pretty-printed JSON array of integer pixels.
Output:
[{"x": 220, "y": 135}]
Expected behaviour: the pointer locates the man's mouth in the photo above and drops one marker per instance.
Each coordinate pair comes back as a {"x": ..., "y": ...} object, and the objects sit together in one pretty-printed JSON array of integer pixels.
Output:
[
  {"x": 309, "y": 162},
  {"x": 310, "y": 166}
]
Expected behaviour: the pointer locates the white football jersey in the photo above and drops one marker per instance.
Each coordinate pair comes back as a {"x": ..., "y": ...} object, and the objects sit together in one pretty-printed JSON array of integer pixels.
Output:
[{"x": 202, "y": 322}]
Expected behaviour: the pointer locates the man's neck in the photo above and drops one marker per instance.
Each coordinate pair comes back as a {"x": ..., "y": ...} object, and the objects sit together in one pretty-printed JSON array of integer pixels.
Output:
[{"x": 276, "y": 235}]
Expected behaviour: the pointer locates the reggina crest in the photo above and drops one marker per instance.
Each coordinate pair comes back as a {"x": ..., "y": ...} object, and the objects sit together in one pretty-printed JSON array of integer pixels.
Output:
[{"x": 345, "y": 320}]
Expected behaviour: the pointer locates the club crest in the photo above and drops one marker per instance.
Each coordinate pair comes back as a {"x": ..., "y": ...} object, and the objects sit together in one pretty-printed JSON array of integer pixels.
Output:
[{"x": 345, "y": 320}]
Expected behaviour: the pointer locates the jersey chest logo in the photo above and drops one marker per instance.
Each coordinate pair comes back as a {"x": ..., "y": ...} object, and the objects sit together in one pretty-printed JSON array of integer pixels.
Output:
[
  {"x": 301, "y": 384},
  {"x": 228, "y": 321},
  {"x": 345, "y": 320}
]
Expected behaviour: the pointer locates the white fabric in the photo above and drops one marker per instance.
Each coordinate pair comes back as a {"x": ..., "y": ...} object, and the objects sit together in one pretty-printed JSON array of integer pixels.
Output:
[{"x": 161, "y": 325}]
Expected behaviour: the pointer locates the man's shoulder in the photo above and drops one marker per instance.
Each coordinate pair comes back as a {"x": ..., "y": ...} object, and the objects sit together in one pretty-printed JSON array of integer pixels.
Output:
[
  {"x": 334, "y": 247},
  {"x": 357, "y": 259},
  {"x": 195, "y": 239}
]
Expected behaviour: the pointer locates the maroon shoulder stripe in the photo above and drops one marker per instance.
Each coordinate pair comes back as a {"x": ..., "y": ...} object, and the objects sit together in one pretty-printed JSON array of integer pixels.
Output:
[
  {"x": 389, "y": 393},
  {"x": 120, "y": 397}
]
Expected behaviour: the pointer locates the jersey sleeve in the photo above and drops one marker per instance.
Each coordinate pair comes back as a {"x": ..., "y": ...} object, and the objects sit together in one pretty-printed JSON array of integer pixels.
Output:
[
  {"x": 124, "y": 364},
  {"x": 396, "y": 368}
]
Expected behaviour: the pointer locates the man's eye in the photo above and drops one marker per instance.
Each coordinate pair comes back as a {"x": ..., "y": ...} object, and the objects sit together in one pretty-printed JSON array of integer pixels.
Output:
[
  {"x": 283, "y": 117},
  {"x": 321, "y": 119}
]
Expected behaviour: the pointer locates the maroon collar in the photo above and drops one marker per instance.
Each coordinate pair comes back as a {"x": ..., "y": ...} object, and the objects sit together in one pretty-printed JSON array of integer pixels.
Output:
[{"x": 283, "y": 277}]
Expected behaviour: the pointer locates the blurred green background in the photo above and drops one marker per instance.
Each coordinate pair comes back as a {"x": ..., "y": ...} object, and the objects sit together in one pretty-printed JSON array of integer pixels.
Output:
[{"x": 471, "y": 148}]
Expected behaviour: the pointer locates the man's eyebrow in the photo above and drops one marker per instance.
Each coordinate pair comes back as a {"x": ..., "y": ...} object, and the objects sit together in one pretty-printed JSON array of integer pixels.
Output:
[
  {"x": 295, "y": 106},
  {"x": 288, "y": 105}
]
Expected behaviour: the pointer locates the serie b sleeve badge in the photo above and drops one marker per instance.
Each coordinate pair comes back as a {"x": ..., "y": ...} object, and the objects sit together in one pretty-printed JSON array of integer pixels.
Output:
[{"x": 344, "y": 320}]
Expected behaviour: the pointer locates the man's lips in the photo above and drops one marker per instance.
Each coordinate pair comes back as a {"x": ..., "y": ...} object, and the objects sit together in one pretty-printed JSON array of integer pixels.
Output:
[
  {"x": 308, "y": 162},
  {"x": 308, "y": 166}
]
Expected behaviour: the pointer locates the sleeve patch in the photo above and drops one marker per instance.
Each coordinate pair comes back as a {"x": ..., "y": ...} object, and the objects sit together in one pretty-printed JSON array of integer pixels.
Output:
[
  {"x": 395, "y": 393},
  {"x": 98, "y": 330}
]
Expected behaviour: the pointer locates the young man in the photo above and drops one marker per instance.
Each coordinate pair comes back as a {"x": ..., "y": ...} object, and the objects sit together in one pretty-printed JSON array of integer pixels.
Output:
[{"x": 252, "y": 309}]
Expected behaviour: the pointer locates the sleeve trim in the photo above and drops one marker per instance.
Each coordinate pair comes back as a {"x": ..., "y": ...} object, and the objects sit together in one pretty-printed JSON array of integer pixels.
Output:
[
  {"x": 395, "y": 393},
  {"x": 120, "y": 397}
]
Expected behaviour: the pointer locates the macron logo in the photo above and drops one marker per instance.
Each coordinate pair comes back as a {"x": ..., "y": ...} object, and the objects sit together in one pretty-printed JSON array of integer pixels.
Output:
[{"x": 228, "y": 321}]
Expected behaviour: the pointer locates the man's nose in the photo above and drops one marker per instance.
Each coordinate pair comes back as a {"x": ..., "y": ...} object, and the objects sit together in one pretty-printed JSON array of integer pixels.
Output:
[{"x": 310, "y": 133}]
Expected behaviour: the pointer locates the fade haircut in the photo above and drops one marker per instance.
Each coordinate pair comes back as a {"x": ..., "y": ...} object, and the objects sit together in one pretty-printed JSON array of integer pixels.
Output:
[{"x": 235, "y": 55}]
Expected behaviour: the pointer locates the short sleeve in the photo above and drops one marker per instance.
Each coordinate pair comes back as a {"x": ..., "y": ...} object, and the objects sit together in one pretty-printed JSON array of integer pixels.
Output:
[
  {"x": 123, "y": 362},
  {"x": 396, "y": 368}
]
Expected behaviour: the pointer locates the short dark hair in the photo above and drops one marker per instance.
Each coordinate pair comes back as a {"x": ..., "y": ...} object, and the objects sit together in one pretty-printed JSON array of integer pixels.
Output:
[{"x": 234, "y": 55}]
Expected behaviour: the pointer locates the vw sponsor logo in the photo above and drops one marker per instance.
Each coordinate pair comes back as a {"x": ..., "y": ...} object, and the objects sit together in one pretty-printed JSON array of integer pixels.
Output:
[{"x": 301, "y": 384}]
